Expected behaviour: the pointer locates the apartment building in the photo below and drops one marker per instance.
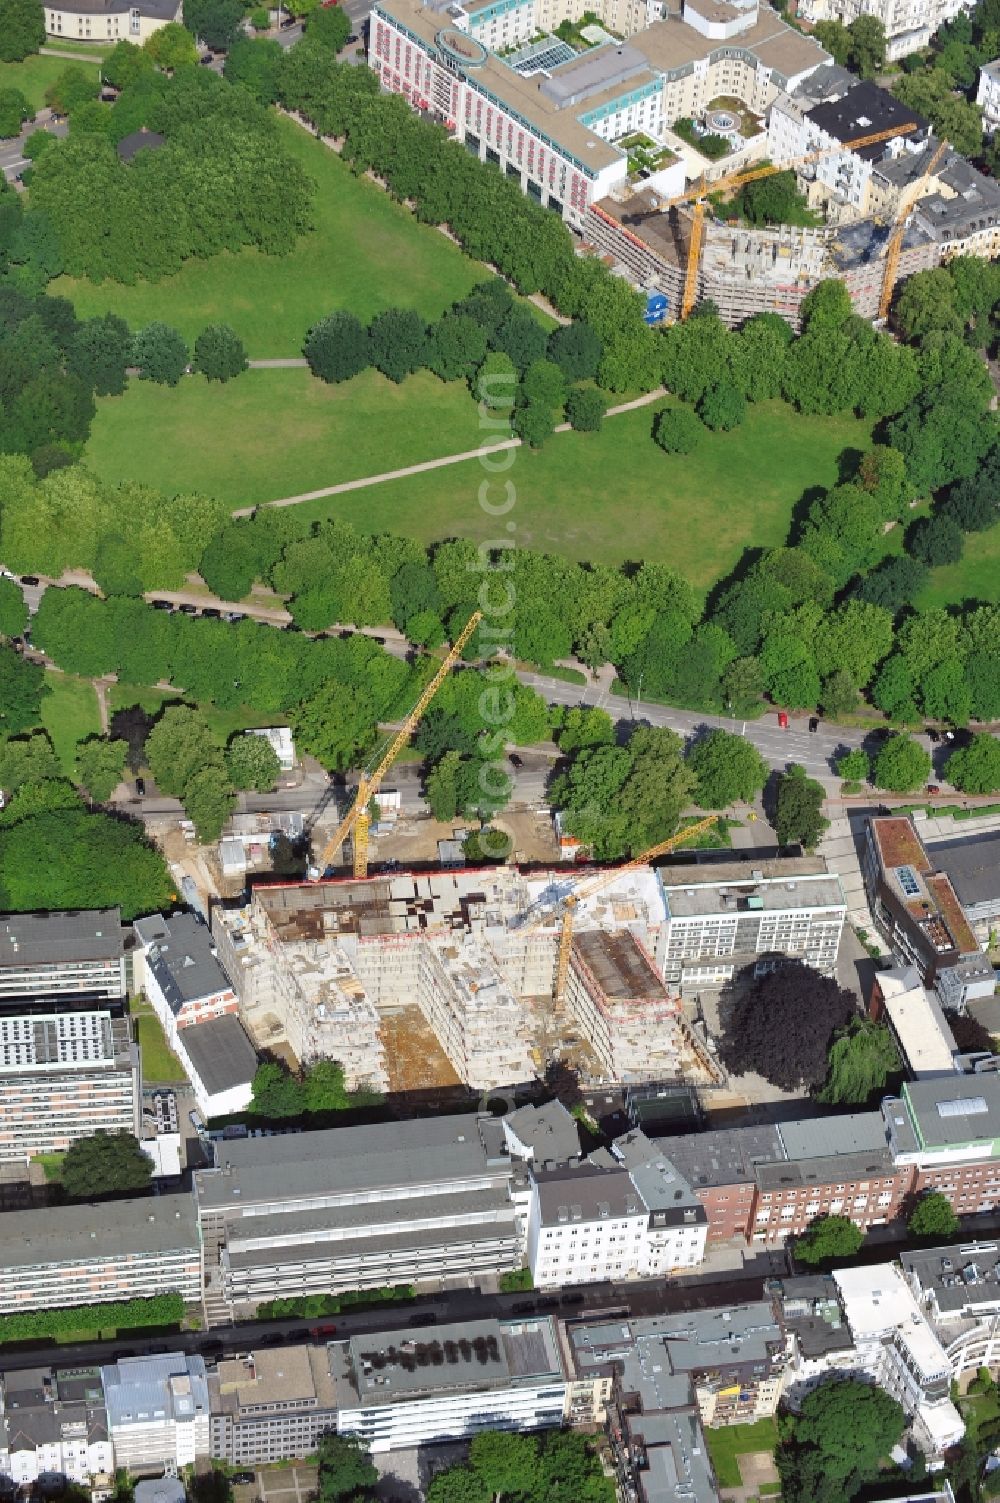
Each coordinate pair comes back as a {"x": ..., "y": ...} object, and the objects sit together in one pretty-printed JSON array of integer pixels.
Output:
[
  {"x": 988, "y": 94},
  {"x": 220, "y": 1062},
  {"x": 178, "y": 969},
  {"x": 958, "y": 1289},
  {"x": 158, "y": 1411},
  {"x": 90, "y": 1254},
  {"x": 919, "y": 914},
  {"x": 909, "y": 24},
  {"x": 551, "y": 118},
  {"x": 112, "y": 21},
  {"x": 357, "y": 1207},
  {"x": 53, "y": 1425},
  {"x": 723, "y": 917},
  {"x": 271, "y": 1405},
  {"x": 71, "y": 957},
  {"x": 946, "y": 1130},
  {"x": 64, "y": 1076},
  {"x": 621, "y": 1215},
  {"x": 401, "y": 1389}
]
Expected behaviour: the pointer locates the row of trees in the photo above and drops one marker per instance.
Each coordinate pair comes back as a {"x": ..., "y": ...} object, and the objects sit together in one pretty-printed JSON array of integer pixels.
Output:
[
  {"x": 317, "y": 1091},
  {"x": 188, "y": 763},
  {"x": 221, "y": 180}
]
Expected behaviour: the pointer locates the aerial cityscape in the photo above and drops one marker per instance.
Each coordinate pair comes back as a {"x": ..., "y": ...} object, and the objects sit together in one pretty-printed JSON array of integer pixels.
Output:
[{"x": 499, "y": 751}]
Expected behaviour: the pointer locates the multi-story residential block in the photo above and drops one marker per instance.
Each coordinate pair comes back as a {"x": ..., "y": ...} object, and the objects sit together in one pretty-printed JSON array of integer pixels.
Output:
[
  {"x": 90, "y": 1254},
  {"x": 53, "y": 1425},
  {"x": 177, "y": 967},
  {"x": 918, "y": 911},
  {"x": 397, "y": 1390},
  {"x": 720, "y": 918},
  {"x": 64, "y": 1076},
  {"x": 70, "y": 956},
  {"x": 113, "y": 21},
  {"x": 972, "y": 864},
  {"x": 916, "y": 1021},
  {"x": 357, "y": 1207},
  {"x": 946, "y": 1130},
  {"x": 220, "y": 1062},
  {"x": 158, "y": 1411},
  {"x": 618, "y": 1216},
  {"x": 271, "y": 1405},
  {"x": 543, "y": 1135},
  {"x": 552, "y": 119},
  {"x": 958, "y": 1288},
  {"x": 988, "y": 94},
  {"x": 909, "y": 24}
]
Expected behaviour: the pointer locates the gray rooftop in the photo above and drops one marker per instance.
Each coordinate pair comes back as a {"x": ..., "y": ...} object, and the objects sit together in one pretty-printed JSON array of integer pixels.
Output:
[
  {"x": 141, "y": 1390},
  {"x": 954, "y": 1109},
  {"x": 160, "y": 1490},
  {"x": 707, "y": 892},
  {"x": 181, "y": 954},
  {"x": 724, "y": 1156},
  {"x": 664, "y": 1191},
  {"x": 812, "y": 1309},
  {"x": 677, "y": 1461},
  {"x": 342, "y": 1160},
  {"x": 314, "y": 1226},
  {"x": 592, "y": 72},
  {"x": 586, "y": 1192},
  {"x": 825, "y": 1137},
  {"x": 549, "y": 1131},
  {"x": 825, "y": 1169},
  {"x": 63, "y": 1234},
  {"x": 220, "y": 1052},
  {"x": 501, "y": 1231},
  {"x": 963, "y": 1278},
  {"x": 973, "y": 865},
  {"x": 401, "y": 1364},
  {"x": 30, "y": 939}
]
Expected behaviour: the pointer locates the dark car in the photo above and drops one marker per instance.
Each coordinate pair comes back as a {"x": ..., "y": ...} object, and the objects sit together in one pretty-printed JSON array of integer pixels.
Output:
[
  {"x": 163, "y": 605},
  {"x": 352, "y": 38},
  {"x": 244, "y": 1479},
  {"x": 814, "y": 723},
  {"x": 933, "y": 788},
  {"x": 206, "y": 60},
  {"x": 188, "y": 610},
  {"x": 29, "y": 579},
  {"x": 140, "y": 787},
  {"x": 515, "y": 760},
  {"x": 932, "y": 734},
  {"x": 212, "y": 612}
]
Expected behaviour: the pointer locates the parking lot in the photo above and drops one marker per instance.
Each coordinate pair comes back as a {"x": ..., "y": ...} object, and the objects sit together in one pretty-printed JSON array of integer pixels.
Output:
[{"x": 287, "y": 1484}]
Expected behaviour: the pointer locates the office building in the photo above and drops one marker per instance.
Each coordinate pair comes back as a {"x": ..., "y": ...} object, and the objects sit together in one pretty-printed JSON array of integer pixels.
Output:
[
  {"x": 271, "y": 1405},
  {"x": 158, "y": 1411},
  {"x": 53, "y": 1425},
  {"x": 972, "y": 865},
  {"x": 915, "y": 1019},
  {"x": 958, "y": 1289},
  {"x": 64, "y": 1076},
  {"x": 400, "y": 1389},
  {"x": 71, "y": 957},
  {"x": 177, "y": 967},
  {"x": 356, "y": 1208},
  {"x": 132, "y": 21},
  {"x": 552, "y": 118},
  {"x": 326, "y": 965},
  {"x": 946, "y": 1130},
  {"x": 724, "y": 917},
  {"x": 220, "y": 1062},
  {"x": 90, "y": 1254}
]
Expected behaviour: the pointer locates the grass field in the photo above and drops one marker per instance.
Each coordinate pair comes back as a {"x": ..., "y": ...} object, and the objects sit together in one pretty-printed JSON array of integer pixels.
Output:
[
  {"x": 613, "y": 495},
  {"x": 70, "y": 715},
  {"x": 277, "y": 433},
  {"x": 159, "y": 1063},
  {"x": 33, "y": 76},
  {"x": 976, "y": 576},
  {"x": 728, "y": 1442},
  {"x": 364, "y": 253}
]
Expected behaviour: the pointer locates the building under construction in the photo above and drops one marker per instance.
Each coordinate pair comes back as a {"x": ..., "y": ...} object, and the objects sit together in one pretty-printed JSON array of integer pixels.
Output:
[{"x": 319, "y": 967}]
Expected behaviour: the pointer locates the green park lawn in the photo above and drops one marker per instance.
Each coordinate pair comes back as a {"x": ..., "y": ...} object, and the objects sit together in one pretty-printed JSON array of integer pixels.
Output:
[
  {"x": 728, "y": 1442},
  {"x": 365, "y": 253},
  {"x": 33, "y": 76},
  {"x": 277, "y": 433},
  {"x": 976, "y": 576},
  {"x": 159, "y": 1063},
  {"x": 69, "y": 714},
  {"x": 614, "y": 496}
]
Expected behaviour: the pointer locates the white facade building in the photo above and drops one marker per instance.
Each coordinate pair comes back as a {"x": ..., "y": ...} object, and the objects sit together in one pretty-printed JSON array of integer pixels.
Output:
[
  {"x": 67, "y": 955},
  {"x": 916, "y": 1021},
  {"x": 53, "y": 1425},
  {"x": 397, "y": 1390},
  {"x": 158, "y": 1410},
  {"x": 988, "y": 94},
  {"x": 177, "y": 967},
  {"x": 909, "y": 24},
  {"x": 220, "y": 1062},
  {"x": 111, "y": 21}
]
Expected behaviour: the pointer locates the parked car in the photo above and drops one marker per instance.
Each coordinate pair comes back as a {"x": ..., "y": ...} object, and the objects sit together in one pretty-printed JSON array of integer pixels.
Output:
[
  {"x": 814, "y": 723},
  {"x": 29, "y": 579},
  {"x": 163, "y": 605},
  {"x": 188, "y": 610},
  {"x": 515, "y": 760},
  {"x": 206, "y": 60},
  {"x": 235, "y": 615},
  {"x": 933, "y": 788},
  {"x": 783, "y": 719},
  {"x": 140, "y": 787},
  {"x": 211, "y": 611},
  {"x": 244, "y": 1479},
  {"x": 932, "y": 734}
]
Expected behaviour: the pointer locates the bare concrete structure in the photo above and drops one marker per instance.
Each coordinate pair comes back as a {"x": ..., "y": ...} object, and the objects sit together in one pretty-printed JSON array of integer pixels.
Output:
[{"x": 322, "y": 965}]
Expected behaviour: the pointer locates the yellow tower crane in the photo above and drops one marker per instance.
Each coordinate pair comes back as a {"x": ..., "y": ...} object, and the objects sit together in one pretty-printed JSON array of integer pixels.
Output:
[
  {"x": 895, "y": 245},
  {"x": 696, "y": 196},
  {"x": 357, "y": 819},
  {"x": 587, "y": 888}
]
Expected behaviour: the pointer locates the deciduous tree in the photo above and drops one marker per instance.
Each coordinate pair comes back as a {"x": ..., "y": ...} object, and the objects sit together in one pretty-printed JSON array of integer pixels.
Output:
[
  {"x": 827, "y": 1239},
  {"x": 933, "y": 1217},
  {"x": 105, "y": 1164},
  {"x": 861, "y": 1060},
  {"x": 22, "y": 29},
  {"x": 976, "y": 768},
  {"x": 219, "y": 353},
  {"x": 100, "y": 765},
  {"x": 728, "y": 768},
  {"x": 677, "y": 430},
  {"x": 252, "y": 762},
  {"x": 798, "y": 816},
  {"x": 160, "y": 354},
  {"x": 902, "y": 765},
  {"x": 781, "y": 1024}
]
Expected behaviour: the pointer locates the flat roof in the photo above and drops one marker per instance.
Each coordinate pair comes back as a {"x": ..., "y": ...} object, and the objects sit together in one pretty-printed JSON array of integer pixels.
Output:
[
  {"x": 619, "y": 966},
  {"x": 724, "y": 1156},
  {"x": 973, "y": 864},
  {"x": 862, "y": 111},
  {"x": 292, "y": 1376},
  {"x": 847, "y": 1132},
  {"x": 549, "y": 1132},
  {"x": 878, "y": 1299},
  {"x": 672, "y": 45},
  {"x": 220, "y": 1052},
  {"x": 705, "y": 892},
  {"x": 340, "y": 1160},
  {"x": 961, "y": 1275},
  {"x": 405, "y": 1364},
  {"x": 927, "y": 897},
  {"x": 811, "y": 1307},
  {"x": 919, "y": 1024},
  {"x": 955, "y": 1109},
  {"x": 80, "y": 1233},
  {"x": 30, "y": 939}
]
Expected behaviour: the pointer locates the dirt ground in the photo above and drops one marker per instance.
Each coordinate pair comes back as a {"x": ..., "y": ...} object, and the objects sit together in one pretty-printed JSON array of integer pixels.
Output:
[
  {"x": 414, "y": 1058},
  {"x": 413, "y": 840}
]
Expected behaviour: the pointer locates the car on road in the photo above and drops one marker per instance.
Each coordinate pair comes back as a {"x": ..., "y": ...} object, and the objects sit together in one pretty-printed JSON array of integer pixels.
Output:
[
  {"x": 783, "y": 720},
  {"x": 932, "y": 734},
  {"x": 212, "y": 613},
  {"x": 933, "y": 788},
  {"x": 206, "y": 60},
  {"x": 515, "y": 760},
  {"x": 814, "y": 723},
  {"x": 29, "y": 579},
  {"x": 235, "y": 616},
  {"x": 162, "y": 605},
  {"x": 188, "y": 610},
  {"x": 140, "y": 787}
]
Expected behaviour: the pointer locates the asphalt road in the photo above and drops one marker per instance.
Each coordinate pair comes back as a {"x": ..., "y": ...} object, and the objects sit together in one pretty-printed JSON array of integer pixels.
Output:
[{"x": 12, "y": 158}]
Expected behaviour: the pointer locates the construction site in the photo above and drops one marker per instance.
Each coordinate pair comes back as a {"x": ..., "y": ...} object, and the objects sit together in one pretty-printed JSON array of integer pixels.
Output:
[{"x": 336, "y": 969}]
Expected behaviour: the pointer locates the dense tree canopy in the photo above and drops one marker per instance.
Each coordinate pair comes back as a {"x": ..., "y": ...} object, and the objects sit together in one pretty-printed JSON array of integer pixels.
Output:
[
  {"x": 22, "y": 29},
  {"x": 105, "y": 1164},
  {"x": 834, "y": 1445},
  {"x": 861, "y": 1060},
  {"x": 799, "y": 818},
  {"x": 933, "y": 1217},
  {"x": 728, "y": 768},
  {"x": 780, "y": 1025}
]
